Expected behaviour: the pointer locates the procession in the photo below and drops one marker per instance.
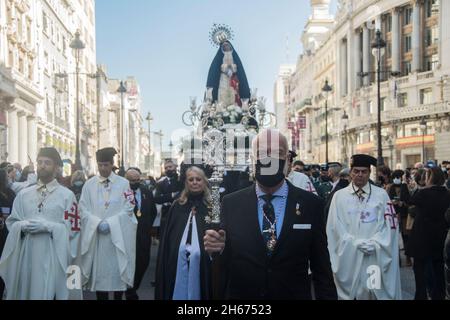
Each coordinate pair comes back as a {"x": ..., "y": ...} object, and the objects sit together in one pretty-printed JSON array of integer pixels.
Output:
[{"x": 339, "y": 190}]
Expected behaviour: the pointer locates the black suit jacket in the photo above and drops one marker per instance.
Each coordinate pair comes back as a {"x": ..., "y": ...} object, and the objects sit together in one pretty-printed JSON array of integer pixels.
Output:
[
  {"x": 148, "y": 210},
  {"x": 251, "y": 274}
]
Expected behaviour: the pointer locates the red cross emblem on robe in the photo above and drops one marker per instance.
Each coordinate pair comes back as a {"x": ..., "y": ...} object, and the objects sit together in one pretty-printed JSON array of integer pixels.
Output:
[
  {"x": 391, "y": 216},
  {"x": 74, "y": 217}
]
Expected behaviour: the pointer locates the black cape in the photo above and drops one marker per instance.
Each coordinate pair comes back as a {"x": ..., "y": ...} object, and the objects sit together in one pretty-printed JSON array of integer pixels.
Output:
[
  {"x": 166, "y": 265},
  {"x": 215, "y": 71}
]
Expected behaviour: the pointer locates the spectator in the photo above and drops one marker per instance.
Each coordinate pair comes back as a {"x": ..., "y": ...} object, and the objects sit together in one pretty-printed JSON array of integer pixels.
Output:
[
  {"x": 399, "y": 194},
  {"x": 447, "y": 255},
  {"x": 384, "y": 177},
  {"x": 426, "y": 242},
  {"x": 77, "y": 182},
  {"x": 298, "y": 166}
]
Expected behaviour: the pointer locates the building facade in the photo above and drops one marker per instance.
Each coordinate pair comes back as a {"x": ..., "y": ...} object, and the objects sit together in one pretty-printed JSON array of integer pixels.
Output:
[
  {"x": 38, "y": 87},
  {"x": 20, "y": 91},
  {"x": 415, "y": 85}
]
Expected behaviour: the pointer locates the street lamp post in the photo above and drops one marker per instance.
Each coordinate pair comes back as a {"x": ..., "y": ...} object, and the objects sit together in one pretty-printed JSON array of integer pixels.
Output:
[
  {"x": 345, "y": 122},
  {"x": 171, "y": 148},
  {"x": 149, "y": 119},
  {"x": 378, "y": 50},
  {"x": 122, "y": 90},
  {"x": 160, "y": 135},
  {"x": 423, "y": 126},
  {"x": 77, "y": 45},
  {"x": 327, "y": 89}
]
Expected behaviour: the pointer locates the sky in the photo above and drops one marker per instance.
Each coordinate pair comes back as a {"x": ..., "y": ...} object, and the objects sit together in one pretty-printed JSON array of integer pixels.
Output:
[{"x": 165, "y": 45}]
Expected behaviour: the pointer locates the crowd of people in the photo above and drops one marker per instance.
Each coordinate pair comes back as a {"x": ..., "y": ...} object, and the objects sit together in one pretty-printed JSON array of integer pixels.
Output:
[{"x": 288, "y": 231}]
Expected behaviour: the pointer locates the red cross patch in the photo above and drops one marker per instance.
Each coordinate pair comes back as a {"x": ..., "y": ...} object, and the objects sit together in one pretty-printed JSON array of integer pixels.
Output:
[
  {"x": 74, "y": 217},
  {"x": 130, "y": 197},
  {"x": 391, "y": 216}
]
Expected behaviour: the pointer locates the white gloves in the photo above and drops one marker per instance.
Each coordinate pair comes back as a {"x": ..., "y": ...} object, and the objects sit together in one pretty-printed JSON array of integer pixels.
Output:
[
  {"x": 103, "y": 227},
  {"x": 36, "y": 226},
  {"x": 367, "y": 247}
]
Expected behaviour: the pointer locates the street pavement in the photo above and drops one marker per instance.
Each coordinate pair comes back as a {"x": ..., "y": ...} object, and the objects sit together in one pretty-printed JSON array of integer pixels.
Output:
[{"x": 146, "y": 291}]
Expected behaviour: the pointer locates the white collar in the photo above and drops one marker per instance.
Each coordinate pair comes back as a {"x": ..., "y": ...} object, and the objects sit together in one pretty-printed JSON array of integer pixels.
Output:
[
  {"x": 111, "y": 178},
  {"x": 366, "y": 188},
  {"x": 51, "y": 186}
]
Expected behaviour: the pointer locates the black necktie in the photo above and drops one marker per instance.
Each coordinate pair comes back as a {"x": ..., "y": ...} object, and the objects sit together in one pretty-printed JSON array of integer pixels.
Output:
[
  {"x": 136, "y": 206},
  {"x": 268, "y": 219}
]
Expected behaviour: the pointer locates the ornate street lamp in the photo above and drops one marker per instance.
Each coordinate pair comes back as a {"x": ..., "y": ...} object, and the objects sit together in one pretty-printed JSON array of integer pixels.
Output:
[
  {"x": 378, "y": 51},
  {"x": 423, "y": 126},
  {"x": 122, "y": 90},
  {"x": 149, "y": 118},
  {"x": 345, "y": 120},
  {"x": 327, "y": 89},
  {"x": 77, "y": 45}
]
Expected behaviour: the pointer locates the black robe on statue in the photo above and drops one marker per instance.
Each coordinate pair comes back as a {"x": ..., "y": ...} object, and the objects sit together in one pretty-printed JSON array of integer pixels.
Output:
[
  {"x": 215, "y": 71},
  {"x": 166, "y": 265}
]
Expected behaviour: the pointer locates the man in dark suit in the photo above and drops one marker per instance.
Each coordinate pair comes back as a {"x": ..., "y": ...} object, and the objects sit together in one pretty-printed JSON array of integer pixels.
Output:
[
  {"x": 145, "y": 212},
  {"x": 271, "y": 233},
  {"x": 338, "y": 183},
  {"x": 167, "y": 190}
]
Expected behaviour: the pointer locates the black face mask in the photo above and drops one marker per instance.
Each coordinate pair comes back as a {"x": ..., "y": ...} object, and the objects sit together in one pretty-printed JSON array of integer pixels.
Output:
[
  {"x": 316, "y": 175},
  {"x": 134, "y": 186},
  {"x": 270, "y": 181},
  {"x": 171, "y": 173}
]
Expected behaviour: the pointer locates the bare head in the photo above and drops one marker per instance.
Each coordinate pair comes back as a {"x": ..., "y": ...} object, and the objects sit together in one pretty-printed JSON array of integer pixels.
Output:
[
  {"x": 133, "y": 176},
  {"x": 270, "y": 143}
]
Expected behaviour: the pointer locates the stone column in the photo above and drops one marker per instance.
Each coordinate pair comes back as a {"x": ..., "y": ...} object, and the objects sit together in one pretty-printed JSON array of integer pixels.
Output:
[
  {"x": 366, "y": 54},
  {"x": 13, "y": 136},
  {"x": 343, "y": 67},
  {"x": 357, "y": 57},
  {"x": 23, "y": 138},
  {"x": 395, "y": 40},
  {"x": 32, "y": 137},
  {"x": 415, "y": 40},
  {"x": 350, "y": 74}
]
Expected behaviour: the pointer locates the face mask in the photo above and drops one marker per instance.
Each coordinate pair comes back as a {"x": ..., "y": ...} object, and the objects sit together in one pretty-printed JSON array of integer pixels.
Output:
[
  {"x": 171, "y": 173},
  {"x": 316, "y": 175},
  {"x": 397, "y": 181},
  {"x": 273, "y": 180},
  {"x": 78, "y": 184},
  {"x": 134, "y": 186},
  {"x": 18, "y": 175}
]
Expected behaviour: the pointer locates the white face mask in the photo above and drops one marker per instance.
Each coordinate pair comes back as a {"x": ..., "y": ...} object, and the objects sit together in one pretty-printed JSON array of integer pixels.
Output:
[{"x": 397, "y": 181}]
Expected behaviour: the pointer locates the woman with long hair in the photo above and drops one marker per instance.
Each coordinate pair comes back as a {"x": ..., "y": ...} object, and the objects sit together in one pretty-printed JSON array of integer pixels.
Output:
[
  {"x": 427, "y": 238},
  {"x": 6, "y": 202},
  {"x": 183, "y": 266},
  {"x": 77, "y": 181}
]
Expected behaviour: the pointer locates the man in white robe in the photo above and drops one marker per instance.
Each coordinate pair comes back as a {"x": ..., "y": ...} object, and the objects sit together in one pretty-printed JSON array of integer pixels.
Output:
[
  {"x": 108, "y": 243},
  {"x": 298, "y": 179},
  {"x": 363, "y": 233},
  {"x": 44, "y": 229}
]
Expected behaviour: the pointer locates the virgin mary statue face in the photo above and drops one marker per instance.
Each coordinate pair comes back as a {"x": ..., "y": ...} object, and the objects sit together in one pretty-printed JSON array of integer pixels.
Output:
[{"x": 226, "y": 47}]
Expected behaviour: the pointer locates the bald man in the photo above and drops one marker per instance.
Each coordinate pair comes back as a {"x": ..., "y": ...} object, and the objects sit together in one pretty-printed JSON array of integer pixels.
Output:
[
  {"x": 271, "y": 232},
  {"x": 145, "y": 212}
]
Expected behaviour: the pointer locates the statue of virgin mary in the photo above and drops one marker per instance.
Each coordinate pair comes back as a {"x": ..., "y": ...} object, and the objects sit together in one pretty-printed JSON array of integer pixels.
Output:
[{"x": 227, "y": 75}]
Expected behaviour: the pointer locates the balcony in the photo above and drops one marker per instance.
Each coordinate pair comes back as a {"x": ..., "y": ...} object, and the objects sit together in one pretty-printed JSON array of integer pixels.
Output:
[{"x": 399, "y": 114}]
